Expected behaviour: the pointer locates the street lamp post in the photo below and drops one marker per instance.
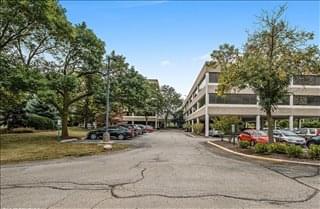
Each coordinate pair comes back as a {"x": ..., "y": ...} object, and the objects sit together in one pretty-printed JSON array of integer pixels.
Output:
[{"x": 106, "y": 135}]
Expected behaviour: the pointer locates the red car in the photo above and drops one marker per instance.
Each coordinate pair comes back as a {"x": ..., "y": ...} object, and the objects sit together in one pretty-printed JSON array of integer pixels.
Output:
[
  {"x": 148, "y": 129},
  {"x": 254, "y": 136}
]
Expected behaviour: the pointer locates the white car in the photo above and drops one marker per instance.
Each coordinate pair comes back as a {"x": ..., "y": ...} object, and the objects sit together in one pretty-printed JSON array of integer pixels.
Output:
[
  {"x": 288, "y": 137},
  {"x": 214, "y": 132}
]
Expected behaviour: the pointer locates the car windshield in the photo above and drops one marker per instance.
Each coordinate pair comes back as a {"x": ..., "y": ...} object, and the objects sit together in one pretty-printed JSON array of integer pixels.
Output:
[
  {"x": 261, "y": 133},
  {"x": 289, "y": 133}
]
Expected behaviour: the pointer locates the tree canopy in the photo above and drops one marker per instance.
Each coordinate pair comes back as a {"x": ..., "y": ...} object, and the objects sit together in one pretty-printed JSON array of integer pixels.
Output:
[{"x": 272, "y": 56}]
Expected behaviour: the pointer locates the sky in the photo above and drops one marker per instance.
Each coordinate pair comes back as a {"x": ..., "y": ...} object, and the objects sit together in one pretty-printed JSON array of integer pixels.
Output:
[{"x": 171, "y": 40}]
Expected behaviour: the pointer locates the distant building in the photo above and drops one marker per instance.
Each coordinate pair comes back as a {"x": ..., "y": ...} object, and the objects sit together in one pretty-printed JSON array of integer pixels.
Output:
[
  {"x": 203, "y": 104},
  {"x": 154, "y": 120}
]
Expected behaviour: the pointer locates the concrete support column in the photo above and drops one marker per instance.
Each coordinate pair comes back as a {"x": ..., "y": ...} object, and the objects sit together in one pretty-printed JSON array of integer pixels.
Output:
[
  {"x": 198, "y": 120},
  {"x": 206, "y": 132},
  {"x": 275, "y": 124},
  {"x": 156, "y": 122},
  {"x": 291, "y": 122},
  {"x": 299, "y": 123},
  {"x": 132, "y": 122},
  {"x": 192, "y": 125},
  {"x": 258, "y": 120},
  {"x": 198, "y": 105}
]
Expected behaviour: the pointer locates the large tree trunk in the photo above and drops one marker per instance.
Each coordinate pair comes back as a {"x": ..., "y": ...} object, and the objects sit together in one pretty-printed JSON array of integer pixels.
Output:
[
  {"x": 64, "y": 118},
  {"x": 270, "y": 126},
  {"x": 65, "y": 115},
  {"x": 166, "y": 120},
  {"x": 86, "y": 112}
]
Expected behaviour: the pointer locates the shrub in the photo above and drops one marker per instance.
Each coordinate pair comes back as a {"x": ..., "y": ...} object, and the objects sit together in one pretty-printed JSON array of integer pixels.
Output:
[
  {"x": 244, "y": 144},
  {"x": 294, "y": 150},
  {"x": 314, "y": 151},
  {"x": 40, "y": 122},
  {"x": 186, "y": 126},
  {"x": 261, "y": 148},
  {"x": 21, "y": 130},
  {"x": 279, "y": 148},
  {"x": 3, "y": 131},
  {"x": 197, "y": 128}
]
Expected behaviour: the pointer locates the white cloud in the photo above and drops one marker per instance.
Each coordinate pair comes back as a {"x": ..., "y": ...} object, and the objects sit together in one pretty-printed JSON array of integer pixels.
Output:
[{"x": 165, "y": 63}]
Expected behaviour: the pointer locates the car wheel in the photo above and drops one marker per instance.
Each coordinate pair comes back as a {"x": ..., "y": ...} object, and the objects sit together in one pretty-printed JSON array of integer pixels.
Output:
[
  {"x": 120, "y": 137},
  {"x": 93, "y": 136}
]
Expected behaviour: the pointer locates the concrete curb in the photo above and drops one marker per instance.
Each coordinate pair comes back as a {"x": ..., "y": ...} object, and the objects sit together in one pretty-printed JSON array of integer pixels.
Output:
[{"x": 262, "y": 158}]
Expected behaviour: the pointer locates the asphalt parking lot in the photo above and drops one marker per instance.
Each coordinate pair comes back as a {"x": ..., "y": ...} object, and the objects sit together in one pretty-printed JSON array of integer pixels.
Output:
[{"x": 162, "y": 169}]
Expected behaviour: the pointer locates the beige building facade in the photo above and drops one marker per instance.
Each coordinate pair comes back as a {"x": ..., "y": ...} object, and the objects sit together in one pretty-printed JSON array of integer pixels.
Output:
[
  {"x": 155, "y": 120},
  {"x": 203, "y": 104}
]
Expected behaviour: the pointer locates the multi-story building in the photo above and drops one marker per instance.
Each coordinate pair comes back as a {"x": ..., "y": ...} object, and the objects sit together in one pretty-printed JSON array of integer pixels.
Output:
[
  {"x": 203, "y": 104},
  {"x": 154, "y": 119}
]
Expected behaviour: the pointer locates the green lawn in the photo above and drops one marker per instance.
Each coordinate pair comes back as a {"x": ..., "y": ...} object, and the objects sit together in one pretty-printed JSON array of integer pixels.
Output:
[{"x": 44, "y": 145}]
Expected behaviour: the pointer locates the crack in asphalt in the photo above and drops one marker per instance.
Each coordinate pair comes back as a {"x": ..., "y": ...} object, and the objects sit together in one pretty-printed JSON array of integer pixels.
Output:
[
  {"x": 113, "y": 187},
  {"x": 47, "y": 185}
]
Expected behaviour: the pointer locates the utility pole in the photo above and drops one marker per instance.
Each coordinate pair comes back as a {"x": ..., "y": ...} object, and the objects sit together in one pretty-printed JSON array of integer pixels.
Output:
[{"x": 106, "y": 135}]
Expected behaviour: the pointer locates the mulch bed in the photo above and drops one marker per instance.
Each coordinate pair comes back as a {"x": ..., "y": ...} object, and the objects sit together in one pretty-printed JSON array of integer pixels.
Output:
[{"x": 250, "y": 151}]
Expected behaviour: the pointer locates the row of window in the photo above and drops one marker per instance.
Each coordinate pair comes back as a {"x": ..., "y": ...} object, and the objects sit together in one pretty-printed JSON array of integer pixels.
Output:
[
  {"x": 252, "y": 99},
  {"x": 309, "y": 80}
]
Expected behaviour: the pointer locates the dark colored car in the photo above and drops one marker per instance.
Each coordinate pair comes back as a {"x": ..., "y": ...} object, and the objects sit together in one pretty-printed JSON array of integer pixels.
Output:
[
  {"x": 139, "y": 129},
  {"x": 143, "y": 128},
  {"x": 313, "y": 140},
  {"x": 116, "y": 132},
  {"x": 131, "y": 128}
]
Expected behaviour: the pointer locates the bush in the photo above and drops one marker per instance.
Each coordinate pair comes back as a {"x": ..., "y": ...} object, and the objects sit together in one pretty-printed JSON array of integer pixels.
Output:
[
  {"x": 294, "y": 150},
  {"x": 3, "y": 131},
  {"x": 314, "y": 151},
  {"x": 197, "y": 128},
  {"x": 261, "y": 148},
  {"x": 40, "y": 122},
  {"x": 244, "y": 144},
  {"x": 279, "y": 148},
  {"x": 21, "y": 130},
  {"x": 187, "y": 126}
]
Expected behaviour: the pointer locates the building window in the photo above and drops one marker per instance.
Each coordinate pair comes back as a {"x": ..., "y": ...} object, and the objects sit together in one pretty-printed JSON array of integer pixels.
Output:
[
  {"x": 213, "y": 77},
  {"x": 284, "y": 101},
  {"x": 309, "y": 80},
  {"x": 233, "y": 99},
  {"x": 202, "y": 83},
  {"x": 306, "y": 100},
  {"x": 202, "y": 101}
]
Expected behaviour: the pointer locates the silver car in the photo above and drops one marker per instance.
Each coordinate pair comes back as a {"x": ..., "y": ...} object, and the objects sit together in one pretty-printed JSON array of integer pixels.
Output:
[{"x": 288, "y": 137}]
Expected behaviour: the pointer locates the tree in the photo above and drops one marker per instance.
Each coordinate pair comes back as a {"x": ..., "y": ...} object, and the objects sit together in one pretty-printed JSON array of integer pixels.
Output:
[
  {"x": 178, "y": 118},
  {"x": 152, "y": 99},
  {"x": 21, "y": 18},
  {"x": 75, "y": 58},
  {"x": 224, "y": 123},
  {"x": 171, "y": 101},
  {"x": 272, "y": 56}
]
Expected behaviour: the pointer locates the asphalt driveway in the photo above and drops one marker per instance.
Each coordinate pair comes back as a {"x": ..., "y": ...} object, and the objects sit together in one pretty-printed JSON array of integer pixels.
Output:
[{"x": 165, "y": 169}]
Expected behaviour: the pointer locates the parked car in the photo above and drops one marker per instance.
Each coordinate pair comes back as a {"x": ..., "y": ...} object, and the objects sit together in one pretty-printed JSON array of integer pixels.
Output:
[
  {"x": 133, "y": 131},
  {"x": 149, "y": 129},
  {"x": 138, "y": 129},
  {"x": 142, "y": 127},
  {"x": 254, "y": 136},
  {"x": 307, "y": 133},
  {"x": 216, "y": 133},
  {"x": 288, "y": 137},
  {"x": 116, "y": 132},
  {"x": 313, "y": 140}
]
